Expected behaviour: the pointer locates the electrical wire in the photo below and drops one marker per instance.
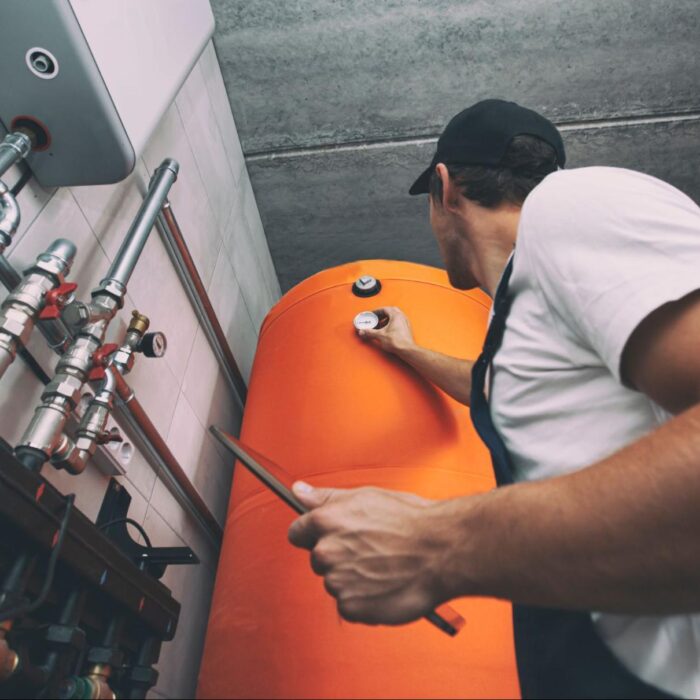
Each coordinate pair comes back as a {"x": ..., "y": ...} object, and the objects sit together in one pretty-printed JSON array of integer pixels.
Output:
[
  {"x": 25, "y": 608},
  {"x": 34, "y": 365},
  {"x": 128, "y": 521}
]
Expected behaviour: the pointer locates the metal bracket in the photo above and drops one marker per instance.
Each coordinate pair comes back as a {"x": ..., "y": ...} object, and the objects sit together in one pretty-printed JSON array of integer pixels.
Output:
[{"x": 153, "y": 560}]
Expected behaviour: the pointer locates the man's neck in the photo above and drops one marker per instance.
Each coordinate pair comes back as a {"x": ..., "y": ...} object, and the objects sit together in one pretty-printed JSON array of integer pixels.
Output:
[{"x": 495, "y": 246}]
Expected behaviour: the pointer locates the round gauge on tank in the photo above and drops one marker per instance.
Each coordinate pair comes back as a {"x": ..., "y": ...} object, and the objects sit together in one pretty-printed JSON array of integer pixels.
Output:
[{"x": 366, "y": 320}]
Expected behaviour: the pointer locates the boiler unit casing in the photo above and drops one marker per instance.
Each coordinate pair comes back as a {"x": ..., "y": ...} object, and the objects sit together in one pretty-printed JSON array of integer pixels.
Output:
[
  {"x": 336, "y": 411},
  {"x": 95, "y": 77}
]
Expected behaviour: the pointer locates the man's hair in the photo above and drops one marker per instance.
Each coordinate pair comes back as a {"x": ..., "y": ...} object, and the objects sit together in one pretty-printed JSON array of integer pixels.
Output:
[{"x": 527, "y": 161}]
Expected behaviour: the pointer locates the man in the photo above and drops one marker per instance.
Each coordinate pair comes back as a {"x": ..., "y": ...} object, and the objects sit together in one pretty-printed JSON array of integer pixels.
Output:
[{"x": 593, "y": 356}]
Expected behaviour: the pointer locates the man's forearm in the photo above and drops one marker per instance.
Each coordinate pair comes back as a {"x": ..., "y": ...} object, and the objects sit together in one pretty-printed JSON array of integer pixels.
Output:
[
  {"x": 622, "y": 535},
  {"x": 451, "y": 374}
]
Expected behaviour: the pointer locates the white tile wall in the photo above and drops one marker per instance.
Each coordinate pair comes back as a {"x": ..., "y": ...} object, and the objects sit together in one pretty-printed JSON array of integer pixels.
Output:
[{"x": 185, "y": 392}]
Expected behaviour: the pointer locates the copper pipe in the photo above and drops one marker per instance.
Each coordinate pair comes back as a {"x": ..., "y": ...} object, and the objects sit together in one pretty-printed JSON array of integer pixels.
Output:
[
  {"x": 177, "y": 246},
  {"x": 139, "y": 416}
]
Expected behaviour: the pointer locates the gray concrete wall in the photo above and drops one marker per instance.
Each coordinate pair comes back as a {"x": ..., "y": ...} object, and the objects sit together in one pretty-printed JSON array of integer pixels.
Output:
[{"x": 338, "y": 103}]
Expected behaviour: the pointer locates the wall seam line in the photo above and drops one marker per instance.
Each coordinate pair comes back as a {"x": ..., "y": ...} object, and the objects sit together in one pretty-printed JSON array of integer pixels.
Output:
[{"x": 370, "y": 144}]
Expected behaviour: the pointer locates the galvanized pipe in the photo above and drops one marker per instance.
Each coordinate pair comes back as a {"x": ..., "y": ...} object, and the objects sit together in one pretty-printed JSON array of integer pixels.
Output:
[
  {"x": 21, "y": 308},
  {"x": 43, "y": 436},
  {"x": 137, "y": 235},
  {"x": 73, "y": 456},
  {"x": 197, "y": 293},
  {"x": 13, "y": 148},
  {"x": 57, "y": 335}
]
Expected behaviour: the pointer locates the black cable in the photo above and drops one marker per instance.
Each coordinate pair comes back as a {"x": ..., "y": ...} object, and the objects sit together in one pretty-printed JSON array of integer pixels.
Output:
[
  {"x": 128, "y": 521},
  {"x": 34, "y": 365},
  {"x": 24, "y": 608},
  {"x": 25, "y": 177}
]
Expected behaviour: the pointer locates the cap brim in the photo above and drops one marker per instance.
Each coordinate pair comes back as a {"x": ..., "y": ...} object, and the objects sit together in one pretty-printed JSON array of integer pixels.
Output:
[{"x": 422, "y": 184}]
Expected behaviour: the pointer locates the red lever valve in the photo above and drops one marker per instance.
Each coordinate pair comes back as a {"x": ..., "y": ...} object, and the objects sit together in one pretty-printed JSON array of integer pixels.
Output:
[
  {"x": 56, "y": 299},
  {"x": 99, "y": 360}
]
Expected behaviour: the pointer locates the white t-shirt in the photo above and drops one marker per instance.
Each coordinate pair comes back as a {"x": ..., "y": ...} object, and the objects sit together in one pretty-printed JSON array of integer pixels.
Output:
[{"x": 598, "y": 249}]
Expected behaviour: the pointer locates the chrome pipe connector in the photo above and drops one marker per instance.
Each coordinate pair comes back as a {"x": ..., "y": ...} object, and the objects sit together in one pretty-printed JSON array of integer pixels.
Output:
[
  {"x": 13, "y": 148},
  {"x": 73, "y": 457},
  {"x": 20, "y": 310},
  {"x": 60, "y": 396},
  {"x": 120, "y": 271},
  {"x": 78, "y": 314}
]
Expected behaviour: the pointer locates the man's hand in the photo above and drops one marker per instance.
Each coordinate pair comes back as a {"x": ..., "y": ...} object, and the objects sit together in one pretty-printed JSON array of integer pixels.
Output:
[
  {"x": 451, "y": 374},
  {"x": 378, "y": 551},
  {"x": 395, "y": 335}
]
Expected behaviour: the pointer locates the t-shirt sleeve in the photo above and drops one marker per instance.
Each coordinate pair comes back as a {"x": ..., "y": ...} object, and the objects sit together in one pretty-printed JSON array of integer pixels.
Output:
[{"x": 608, "y": 247}]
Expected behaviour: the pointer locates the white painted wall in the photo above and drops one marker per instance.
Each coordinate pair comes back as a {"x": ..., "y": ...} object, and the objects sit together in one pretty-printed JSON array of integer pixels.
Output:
[{"x": 186, "y": 391}]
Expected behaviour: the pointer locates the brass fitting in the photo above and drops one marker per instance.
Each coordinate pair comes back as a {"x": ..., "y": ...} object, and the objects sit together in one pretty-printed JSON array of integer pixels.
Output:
[
  {"x": 139, "y": 323},
  {"x": 93, "y": 686},
  {"x": 9, "y": 660}
]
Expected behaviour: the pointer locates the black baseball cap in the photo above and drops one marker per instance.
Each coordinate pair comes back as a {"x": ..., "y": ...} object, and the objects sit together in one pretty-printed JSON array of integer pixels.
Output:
[{"x": 480, "y": 135}]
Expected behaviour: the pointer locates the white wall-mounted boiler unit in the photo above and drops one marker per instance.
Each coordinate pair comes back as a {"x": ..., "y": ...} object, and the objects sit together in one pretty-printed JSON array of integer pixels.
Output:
[{"x": 92, "y": 79}]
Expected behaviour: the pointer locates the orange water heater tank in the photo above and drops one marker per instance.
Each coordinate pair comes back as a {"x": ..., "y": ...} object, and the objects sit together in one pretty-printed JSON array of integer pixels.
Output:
[{"x": 336, "y": 411}]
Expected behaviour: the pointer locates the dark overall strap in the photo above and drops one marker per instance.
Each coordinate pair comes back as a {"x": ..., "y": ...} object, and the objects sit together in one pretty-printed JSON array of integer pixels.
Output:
[{"x": 559, "y": 652}]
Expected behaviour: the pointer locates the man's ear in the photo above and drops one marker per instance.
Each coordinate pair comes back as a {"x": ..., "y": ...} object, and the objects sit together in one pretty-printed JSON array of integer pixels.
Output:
[{"x": 449, "y": 190}]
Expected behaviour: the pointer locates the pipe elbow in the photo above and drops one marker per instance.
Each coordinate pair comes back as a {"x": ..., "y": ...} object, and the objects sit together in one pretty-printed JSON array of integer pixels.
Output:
[
  {"x": 69, "y": 457},
  {"x": 109, "y": 384}
]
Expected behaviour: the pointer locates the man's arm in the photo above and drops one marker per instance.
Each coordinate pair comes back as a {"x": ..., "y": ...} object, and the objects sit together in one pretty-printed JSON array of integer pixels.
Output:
[
  {"x": 620, "y": 536},
  {"x": 451, "y": 374}
]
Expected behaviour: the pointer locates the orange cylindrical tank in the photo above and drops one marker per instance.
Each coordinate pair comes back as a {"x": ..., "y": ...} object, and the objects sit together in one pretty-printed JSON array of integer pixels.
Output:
[{"x": 336, "y": 411}]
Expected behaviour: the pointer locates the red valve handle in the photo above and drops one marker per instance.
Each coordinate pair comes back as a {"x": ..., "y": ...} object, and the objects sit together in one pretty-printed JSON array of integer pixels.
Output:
[
  {"x": 55, "y": 300},
  {"x": 99, "y": 358}
]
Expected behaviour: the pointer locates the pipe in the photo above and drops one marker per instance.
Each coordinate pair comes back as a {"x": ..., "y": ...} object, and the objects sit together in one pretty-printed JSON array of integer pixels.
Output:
[
  {"x": 57, "y": 335},
  {"x": 44, "y": 434},
  {"x": 197, "y": 293},
  {"x": 140, "y": 426},
  {"x": 74, "y": 456},
  {"x": 13, "y": 147},
  {"x": 174, "y": 474},
  {"x": 137, "y": 235},
  {"x": 20, "y": 310}
]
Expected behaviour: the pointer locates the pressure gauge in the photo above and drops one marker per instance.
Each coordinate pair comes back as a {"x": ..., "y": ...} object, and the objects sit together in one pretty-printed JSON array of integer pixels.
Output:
[
  {"x": 153, "y": 344},
  {"x": 366, "y": 321}
]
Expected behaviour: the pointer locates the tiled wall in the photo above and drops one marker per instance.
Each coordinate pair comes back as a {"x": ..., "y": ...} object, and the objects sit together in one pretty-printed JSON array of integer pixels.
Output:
[{"x": 184, "y": 392}]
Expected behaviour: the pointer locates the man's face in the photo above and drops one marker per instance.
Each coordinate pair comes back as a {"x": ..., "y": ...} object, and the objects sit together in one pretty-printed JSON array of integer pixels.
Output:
[{"x": 448, "y": 230}]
